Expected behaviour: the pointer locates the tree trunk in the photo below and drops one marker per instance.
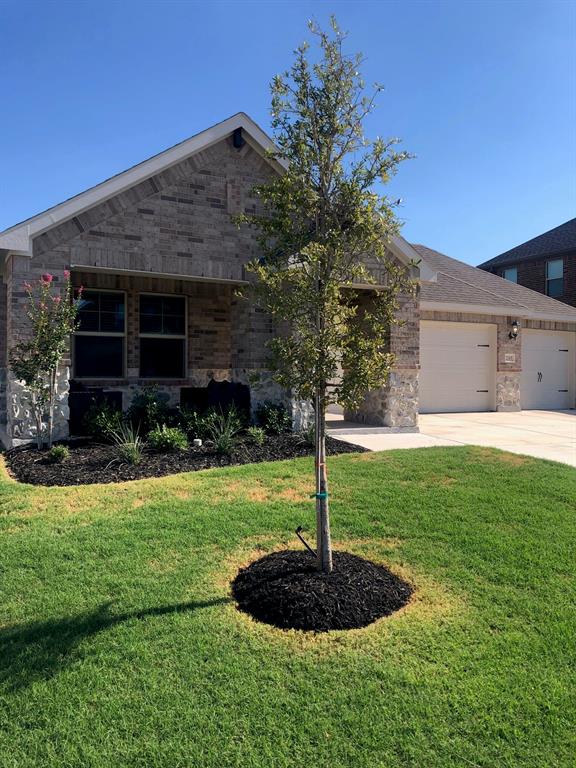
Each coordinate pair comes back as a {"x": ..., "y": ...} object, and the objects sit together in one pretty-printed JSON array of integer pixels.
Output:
[
  {"x": 36, "y": 408},
  {"x": 323, "y": 540}
]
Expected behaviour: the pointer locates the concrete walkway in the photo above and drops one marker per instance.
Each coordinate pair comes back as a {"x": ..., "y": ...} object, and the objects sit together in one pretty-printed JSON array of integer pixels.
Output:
[{"x": 544, "y": 434}]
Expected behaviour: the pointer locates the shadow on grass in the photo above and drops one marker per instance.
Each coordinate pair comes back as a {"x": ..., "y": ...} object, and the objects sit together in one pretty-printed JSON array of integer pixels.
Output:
[{"x": 41, "y": 649}]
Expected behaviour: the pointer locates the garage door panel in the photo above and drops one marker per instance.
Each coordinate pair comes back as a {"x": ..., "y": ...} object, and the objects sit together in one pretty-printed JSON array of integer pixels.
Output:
[
  {"x": 457, "y": 366},
  {"x": 547, "y": 380}
]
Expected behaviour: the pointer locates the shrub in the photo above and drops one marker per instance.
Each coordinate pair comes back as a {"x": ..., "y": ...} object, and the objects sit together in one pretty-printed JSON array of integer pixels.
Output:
[
  {"x": 195, "y": 424},
  {"x": 256, "y": 435},
  {"x": 274, "y": 418},
  {"x": 53, "y": 316},
  {"x": 57, "y": 454},
  {"x": 149, "y": 409},
  {"x": 224, "y": 430},
  {"x": 128, "y": 444},
  {"x": 307, "y": 436},
  {"x": 167, "y": 439},
  {"x": 102, "y": 420}
]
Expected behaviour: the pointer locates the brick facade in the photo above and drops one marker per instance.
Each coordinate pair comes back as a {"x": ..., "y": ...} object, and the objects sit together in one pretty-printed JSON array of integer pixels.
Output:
[
  {"x": 177, "y": 223},
  {"x": 532, "y": 274}
]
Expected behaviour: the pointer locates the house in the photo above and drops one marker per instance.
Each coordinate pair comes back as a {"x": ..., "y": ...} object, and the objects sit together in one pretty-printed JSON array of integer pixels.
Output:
[
  {"x": 161, "y": 259},
  {"x": 546, "y": 263}
]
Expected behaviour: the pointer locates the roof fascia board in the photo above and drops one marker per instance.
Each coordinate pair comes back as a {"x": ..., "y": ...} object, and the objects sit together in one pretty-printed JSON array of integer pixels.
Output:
[
  {"x": 488, "y": 309},
  {"x": 20, "y": 236}
]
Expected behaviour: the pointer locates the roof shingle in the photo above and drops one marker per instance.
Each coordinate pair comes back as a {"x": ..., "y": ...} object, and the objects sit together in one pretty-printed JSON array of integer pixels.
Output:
[{"x": 460, "y": 283}]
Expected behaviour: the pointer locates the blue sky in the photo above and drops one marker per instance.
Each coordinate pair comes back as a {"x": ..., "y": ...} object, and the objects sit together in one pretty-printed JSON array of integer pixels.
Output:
[{"x": 484, "y": 93}]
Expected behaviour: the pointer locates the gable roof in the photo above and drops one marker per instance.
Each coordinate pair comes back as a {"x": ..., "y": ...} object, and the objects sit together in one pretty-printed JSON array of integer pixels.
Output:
[
  {"x": 18, "y": 238},
  {"x": 462, "y": 288},
  {"x": 555, "y": 241}
]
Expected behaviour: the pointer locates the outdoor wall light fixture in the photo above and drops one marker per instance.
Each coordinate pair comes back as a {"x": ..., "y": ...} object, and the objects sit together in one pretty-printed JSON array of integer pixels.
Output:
[{"x": 514, "y": 332}]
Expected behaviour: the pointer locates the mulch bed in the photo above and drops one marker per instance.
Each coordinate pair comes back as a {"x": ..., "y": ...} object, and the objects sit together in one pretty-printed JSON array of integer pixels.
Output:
[
  {"x": 91, "y": 462},
  {"x": 286, "y": 590}
]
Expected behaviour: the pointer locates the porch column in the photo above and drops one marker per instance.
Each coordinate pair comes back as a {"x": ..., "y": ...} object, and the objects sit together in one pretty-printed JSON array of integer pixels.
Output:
[{"x": 395, "y": 405}]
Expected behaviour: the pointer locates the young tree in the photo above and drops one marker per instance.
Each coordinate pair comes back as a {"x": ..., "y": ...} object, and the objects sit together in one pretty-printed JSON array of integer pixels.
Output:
[
  {"x": 36, "y": 360},
  {"x": 324, "y": 225}
]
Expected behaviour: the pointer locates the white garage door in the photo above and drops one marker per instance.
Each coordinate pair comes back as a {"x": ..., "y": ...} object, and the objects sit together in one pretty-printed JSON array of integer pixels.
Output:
[
  {"x": 547, "y": 381},
  {"x": 457, "y": 367}
]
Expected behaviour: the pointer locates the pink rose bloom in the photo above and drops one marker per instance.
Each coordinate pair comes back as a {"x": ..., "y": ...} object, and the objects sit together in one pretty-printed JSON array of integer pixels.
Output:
[
  {"x": 66, "y": 274},
  {"x": 47, "y": 277},
  {"x": 57, "y": 299}
]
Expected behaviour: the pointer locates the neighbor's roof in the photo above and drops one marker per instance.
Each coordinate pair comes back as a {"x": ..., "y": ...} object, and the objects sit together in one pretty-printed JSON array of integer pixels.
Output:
[
  {"x": 555, "y": 241},
  {"x": 462, "y": 288}
]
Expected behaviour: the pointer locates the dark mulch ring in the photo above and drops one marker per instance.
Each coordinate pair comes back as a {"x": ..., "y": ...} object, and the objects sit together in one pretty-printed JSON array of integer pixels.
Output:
[
  {"x": 286, "y": 590},
  {"x": 91, "y": 462}
]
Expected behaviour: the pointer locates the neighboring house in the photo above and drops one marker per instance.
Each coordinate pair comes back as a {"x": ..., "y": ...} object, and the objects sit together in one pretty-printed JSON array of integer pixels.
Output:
[
  {"x": 161, "y": 259},
  {"x": 546, "y": 263}
]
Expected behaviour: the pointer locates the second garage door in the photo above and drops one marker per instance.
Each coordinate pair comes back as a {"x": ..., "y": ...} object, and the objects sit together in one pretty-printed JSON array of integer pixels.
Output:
[
  {"x": 547, "y": 370},
  {"x": 457, "y": 367}
]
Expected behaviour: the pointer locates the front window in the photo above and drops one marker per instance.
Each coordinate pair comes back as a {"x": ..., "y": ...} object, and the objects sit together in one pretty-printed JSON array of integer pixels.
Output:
[
  {"x": 555, "y": 278},
  {"x": 99, "y": 340},
  {"x": 511, "y": 273},
  {"x": 162, "y": 337}
]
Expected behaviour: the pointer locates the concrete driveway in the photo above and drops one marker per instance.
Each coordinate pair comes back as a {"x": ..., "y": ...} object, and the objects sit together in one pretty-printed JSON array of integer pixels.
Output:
[{"x": 544, "y": 434}]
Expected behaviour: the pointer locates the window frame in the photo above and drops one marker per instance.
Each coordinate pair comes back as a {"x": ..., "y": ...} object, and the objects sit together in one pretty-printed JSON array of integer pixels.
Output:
[
  {"x": 181, "y": 337},
  {"x": 509, "y": 269},
  {"x": 550, "y": 279},
  {"x": 115, "y": 334}
]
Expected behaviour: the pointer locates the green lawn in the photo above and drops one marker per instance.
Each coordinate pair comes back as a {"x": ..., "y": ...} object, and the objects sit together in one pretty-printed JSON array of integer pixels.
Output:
[{"x": 120, "y": 647}]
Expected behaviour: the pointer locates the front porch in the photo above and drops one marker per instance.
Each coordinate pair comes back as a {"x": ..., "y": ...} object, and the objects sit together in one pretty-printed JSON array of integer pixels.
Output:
[
  {"x": 176, "y": 334},
  {"x": 198, "y": 343}
]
